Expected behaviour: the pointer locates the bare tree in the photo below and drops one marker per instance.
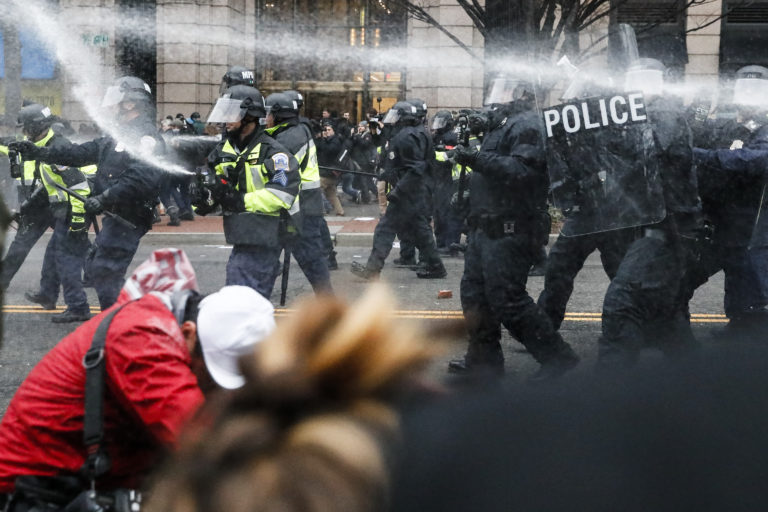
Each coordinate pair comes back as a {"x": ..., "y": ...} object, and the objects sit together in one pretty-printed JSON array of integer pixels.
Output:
[{"x": 546, "y": 28}]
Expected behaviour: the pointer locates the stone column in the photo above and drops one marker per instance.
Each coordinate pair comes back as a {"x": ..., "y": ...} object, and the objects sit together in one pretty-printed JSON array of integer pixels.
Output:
[
  {"x": 438, "y": 70},
  {"x": 703, "y": 66},
  {"x": 197, "y": 41}
]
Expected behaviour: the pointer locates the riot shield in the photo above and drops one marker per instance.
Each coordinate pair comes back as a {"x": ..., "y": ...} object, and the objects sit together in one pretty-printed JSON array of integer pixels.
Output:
[{"x": 603, "y": 163}]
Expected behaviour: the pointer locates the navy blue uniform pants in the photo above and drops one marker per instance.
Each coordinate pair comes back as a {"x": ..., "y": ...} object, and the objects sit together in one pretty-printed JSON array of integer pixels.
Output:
[
  {"x": 114, "y": 248},
  {"x": 493, "y": 293},
  {"x": 32, "y": 227},
  {"x": 645, "y": 304},
  {"x": 310, "y": 253},
  {"x": 63, "y": 267},
  {"x": 412, "y": 225},
  {"x": 254, "y": 266},
  {"x": 566, "y": 259}
]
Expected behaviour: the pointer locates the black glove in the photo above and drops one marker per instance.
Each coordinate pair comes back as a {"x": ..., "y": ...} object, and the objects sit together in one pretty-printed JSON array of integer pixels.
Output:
[
  {"x": 94, "y": 204},
  {"x": 465, "y": 156},
  {"x": 393, "y": 196},
  {"x": 25, "y": 148},
  {"x": 232, "y": 201}
]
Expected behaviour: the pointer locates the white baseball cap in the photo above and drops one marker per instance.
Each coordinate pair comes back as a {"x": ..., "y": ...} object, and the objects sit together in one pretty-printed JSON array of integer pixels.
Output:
[{"x": 230, "y": 323}]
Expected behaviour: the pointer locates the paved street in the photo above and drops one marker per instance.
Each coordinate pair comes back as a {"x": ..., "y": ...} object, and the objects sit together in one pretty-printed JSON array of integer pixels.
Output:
[{"x": 29, "y": 332}]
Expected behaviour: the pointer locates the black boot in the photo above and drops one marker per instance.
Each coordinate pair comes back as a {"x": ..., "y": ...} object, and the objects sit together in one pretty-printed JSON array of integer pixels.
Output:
[
  {"x": 363, "y": 271},
  {"x": 433, "y": 272},
  {"x": 38, "y": 298},
  {"x": 69, "y": 315},
  {"x": 566, "y": 359},
  {"x": 404, "y": 262},
  {"x": 332, "y": 263},
  {"x": 187, "y": 214},
  {"x": 464, "y": 367},
  {"x": 173, "y": 213}
]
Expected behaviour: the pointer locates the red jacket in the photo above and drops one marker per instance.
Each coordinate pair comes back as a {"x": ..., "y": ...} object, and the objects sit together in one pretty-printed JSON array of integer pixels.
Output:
[{"x": 151, "y": 391}]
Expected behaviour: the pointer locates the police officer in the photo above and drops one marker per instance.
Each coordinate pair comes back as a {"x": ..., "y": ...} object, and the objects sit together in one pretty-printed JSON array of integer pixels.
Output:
[
  {"x": 444, "y": 138},
  {"x": 35, "y": 215},
  {"x": 65, "y": 252},
  {"x": 407, "y": 165},
  {"x": 644, "y": 302},
  {"x": 733, "y": 197},
  {"x": 408, "y": 257},
  {"x": 256, "y": 182},
  {"x": 508, "y": 194},
  {"x": 309, "y": 247},
  {"x": 125, "y": 185}
]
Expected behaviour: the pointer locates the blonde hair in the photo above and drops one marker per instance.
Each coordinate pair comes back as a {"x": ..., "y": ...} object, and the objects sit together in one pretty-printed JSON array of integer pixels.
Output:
[{"x": 312, "y": 427}]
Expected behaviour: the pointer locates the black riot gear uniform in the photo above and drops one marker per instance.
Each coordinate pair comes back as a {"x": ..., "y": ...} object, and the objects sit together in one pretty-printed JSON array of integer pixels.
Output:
[
  {"x": 507, "y": 219},
  {"x": 646, "y": 299},
  {"x": 406, "y": 168}
]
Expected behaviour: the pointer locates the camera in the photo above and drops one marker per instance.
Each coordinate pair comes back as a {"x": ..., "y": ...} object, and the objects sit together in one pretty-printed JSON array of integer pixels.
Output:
[{"x": 15, "y": 159}]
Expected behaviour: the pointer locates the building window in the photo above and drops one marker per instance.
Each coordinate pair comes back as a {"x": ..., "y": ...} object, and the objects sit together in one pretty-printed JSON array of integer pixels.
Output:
[
  {"x": 744, "y": 35},
  {"x": 660, "y": 29}
]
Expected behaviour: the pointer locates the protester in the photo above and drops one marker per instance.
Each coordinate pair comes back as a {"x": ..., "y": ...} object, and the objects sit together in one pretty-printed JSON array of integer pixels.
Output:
[{"x": 166, "y": 347}]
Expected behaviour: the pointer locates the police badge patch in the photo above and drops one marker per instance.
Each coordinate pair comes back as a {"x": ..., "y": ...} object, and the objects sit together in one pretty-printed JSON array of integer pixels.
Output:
[{"x": 281, "y": 163}]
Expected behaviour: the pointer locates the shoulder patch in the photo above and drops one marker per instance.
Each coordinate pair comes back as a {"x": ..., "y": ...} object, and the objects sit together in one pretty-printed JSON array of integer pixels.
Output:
[
  {"x": 391, "y": 155},
  {"x": 281, "y": 162}
]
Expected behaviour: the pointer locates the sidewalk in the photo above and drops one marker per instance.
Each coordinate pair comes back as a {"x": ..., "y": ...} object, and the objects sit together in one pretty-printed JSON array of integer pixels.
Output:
[{"x": 354, "y": 229}]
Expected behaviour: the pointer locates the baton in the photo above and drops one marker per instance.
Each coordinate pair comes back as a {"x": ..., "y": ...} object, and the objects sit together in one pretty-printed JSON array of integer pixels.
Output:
[
  {"x": 336, "y": 169},
  {"x": 107, "y": 213},
  {"x": 286, "y": 271}
]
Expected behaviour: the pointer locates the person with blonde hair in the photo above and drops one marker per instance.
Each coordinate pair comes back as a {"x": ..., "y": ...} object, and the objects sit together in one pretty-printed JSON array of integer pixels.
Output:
[{"x": 313, "y": 427}]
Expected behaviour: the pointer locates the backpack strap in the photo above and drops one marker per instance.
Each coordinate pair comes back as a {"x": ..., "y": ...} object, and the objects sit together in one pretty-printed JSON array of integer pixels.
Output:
[{"x": 97, "y": 462}]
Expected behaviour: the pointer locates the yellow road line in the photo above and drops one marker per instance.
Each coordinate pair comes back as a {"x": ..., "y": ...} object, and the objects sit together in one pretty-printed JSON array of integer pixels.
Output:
[{"x": 417, "y": 314}]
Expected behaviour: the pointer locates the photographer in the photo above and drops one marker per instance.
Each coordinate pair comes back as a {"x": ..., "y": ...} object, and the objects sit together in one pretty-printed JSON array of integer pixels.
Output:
[
  {"x": 329, "y": 145},
  {"x": 364, "y": 158},
  {"x": 165, "y": 347}
]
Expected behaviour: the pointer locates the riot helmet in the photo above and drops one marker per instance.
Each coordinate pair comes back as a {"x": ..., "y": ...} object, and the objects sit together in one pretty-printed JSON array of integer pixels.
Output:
[
  {"x": 645, "y": 75},
  {"x": 281, "y": 106},
  {"x": 237, "y": 75},
  {"x": 421, "y": 107},
  {"x": 127, "y": 89},
  {"x": 34, "y": 120},
  {"x": 443, "y": 121},
  {"x": 237, "y": 103},
  {"x": 751, "y": 86},
  {"x": 401, "y": 112},
  {"x": 295, "y": 96},
  {"x": 478, "y": 123},
  {"x": 506, "y": 90}
]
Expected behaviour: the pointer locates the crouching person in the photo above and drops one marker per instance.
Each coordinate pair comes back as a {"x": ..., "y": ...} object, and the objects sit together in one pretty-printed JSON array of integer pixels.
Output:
[{"x": 105, "y": 403}]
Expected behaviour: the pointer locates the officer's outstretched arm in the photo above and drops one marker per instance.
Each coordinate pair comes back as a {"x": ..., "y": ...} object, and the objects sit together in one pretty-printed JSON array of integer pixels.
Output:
[{"x": 73, "y": 155}]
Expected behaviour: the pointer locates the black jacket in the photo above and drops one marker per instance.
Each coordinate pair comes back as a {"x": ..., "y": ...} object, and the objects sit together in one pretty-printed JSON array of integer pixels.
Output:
[
  {"x": 509, "y": 177},
  {"x": 133, "y": 184}
]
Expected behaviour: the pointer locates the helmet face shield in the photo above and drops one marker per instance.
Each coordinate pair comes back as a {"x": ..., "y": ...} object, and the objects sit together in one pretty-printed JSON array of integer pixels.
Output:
[
  {"x": 227, "y": 110},
  {"x": 439, "y": 122},
  {"x": 392, "y": 117},
  {"x": 113, "y": 96},
  {"x": 750, "y": 91},
  {"x": 649, "y": 81},
  {"x": 505, "y": 90}
]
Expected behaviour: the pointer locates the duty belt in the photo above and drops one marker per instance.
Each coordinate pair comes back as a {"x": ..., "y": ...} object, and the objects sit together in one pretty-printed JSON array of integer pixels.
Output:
[{"x": 496, "y": 226}]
